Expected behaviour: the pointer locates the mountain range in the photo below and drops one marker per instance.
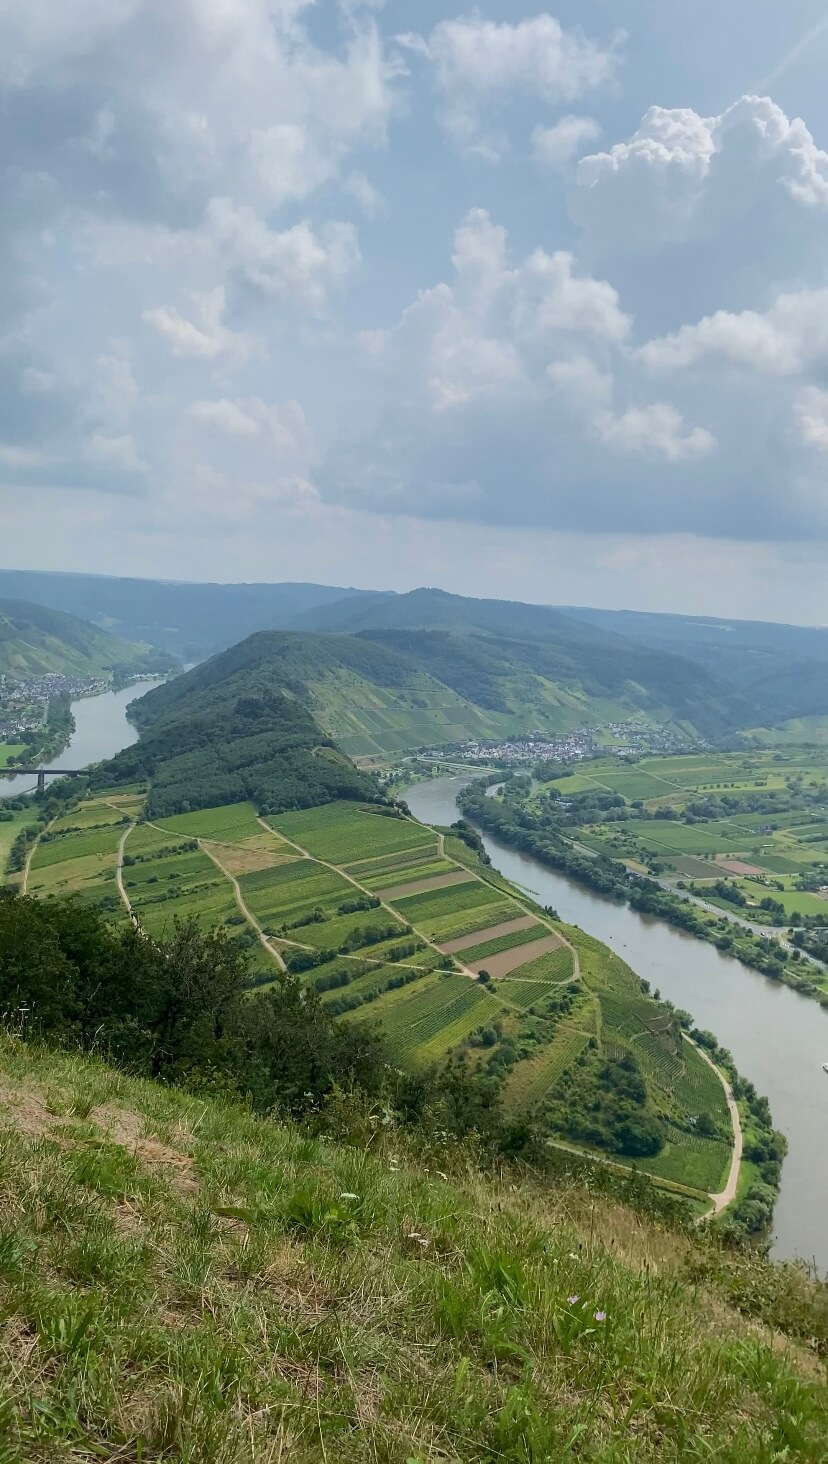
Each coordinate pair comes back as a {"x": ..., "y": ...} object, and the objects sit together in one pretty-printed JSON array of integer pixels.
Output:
[
  {"x": 381, "y": 672},
  {"x": 36, "y": 640}
]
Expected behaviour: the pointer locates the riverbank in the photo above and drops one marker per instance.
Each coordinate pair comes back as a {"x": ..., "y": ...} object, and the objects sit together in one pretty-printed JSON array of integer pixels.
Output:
[
  {"x": 776, "y": 1036},
  {"x": 612, "y": 879}
]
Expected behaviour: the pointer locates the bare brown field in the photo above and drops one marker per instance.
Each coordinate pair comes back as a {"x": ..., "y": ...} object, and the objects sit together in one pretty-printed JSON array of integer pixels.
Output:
[
  {"x": 507, "y": 961},
  {"x": 238, "y": 860},
  {"x": 737, "y": 866},
  {"x": 421, "y": 886},
  {"x": 493, "y": 932}
]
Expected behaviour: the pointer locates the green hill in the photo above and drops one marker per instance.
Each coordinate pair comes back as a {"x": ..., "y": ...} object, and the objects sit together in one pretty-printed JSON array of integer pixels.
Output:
[
  {"x": 234, "y": 728},
  {"x": 384, "y": 690},
  {"x": 35, "y": 640},
  {"x": 189, "y": 621},
  {"x": 182, "y": 1280}
]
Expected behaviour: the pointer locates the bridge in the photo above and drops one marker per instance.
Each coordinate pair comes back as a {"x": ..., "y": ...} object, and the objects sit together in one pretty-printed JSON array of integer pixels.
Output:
[{"x": 43, "y": 773}]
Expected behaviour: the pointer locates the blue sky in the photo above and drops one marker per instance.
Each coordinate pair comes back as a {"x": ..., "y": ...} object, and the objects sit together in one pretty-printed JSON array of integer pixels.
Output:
[{"x": 523, "y": 302}]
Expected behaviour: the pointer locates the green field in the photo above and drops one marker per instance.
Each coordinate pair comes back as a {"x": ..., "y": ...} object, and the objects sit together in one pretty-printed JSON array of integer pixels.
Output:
[
  {"x": 428, "y": 1006},
  {"x": 342, "y": 832},
  {"x": 9, "y": 750}
]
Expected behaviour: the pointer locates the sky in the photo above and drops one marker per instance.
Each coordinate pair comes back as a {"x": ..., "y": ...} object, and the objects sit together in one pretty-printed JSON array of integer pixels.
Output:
[{"x": 518, "y": 302}]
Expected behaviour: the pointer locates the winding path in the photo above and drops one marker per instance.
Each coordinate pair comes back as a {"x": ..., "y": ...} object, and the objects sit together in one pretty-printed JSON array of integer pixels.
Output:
[
  {"x": 243, "y": 908},
  {"x": 728, "y": 1194},
  {"x": 119, "y": 876}
]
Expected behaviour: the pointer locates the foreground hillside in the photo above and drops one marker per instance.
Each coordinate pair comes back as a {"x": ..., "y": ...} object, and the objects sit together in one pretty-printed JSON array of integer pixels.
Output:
[
  {"x": 35, "y": 641},
  {"x": 181, "y": 1280}
]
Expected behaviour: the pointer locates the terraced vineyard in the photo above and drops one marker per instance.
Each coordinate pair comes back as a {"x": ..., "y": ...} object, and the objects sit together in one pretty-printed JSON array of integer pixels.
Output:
[{"x": 443, "y": 956}]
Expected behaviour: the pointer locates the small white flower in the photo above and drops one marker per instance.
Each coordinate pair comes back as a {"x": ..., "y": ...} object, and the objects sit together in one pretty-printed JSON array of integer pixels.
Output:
[{"x": 349, "y": 1197}]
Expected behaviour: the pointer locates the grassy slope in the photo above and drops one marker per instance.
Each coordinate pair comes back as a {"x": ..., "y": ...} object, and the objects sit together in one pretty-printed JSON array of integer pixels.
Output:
[
  {"x": 182, "y": 1281},
  {"x": 34, "y": 641},
  {"x": 384, "y": 690}
]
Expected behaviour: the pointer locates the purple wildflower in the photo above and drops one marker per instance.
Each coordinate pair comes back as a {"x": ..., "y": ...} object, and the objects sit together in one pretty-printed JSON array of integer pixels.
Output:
[
  {"x": 571, "y": 1300},
  {"x": 600, "y": 1316}
]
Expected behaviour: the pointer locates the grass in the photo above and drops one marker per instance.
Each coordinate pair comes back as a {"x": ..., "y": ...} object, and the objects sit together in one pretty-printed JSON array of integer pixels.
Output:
[
  {"x": 342, "y": 832},
  {"x": 435, "y": 904}
]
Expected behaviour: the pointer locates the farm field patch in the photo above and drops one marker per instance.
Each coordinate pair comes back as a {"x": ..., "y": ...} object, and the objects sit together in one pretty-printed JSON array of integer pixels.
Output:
[
  {"x": 503, "y": 962},
  {"x": 493, "y": 932},
  {"x": 423, "y": 886},
  {"x": 437, "y": 904},
  {"x": 524, "y": 936},
  {"x": 342, "y": 832}
]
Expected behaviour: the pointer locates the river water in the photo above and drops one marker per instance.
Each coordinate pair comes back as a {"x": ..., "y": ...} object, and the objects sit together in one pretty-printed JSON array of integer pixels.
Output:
[
  {"x": 101, "y": 730},
  {"x": 778, "y": 1038}
]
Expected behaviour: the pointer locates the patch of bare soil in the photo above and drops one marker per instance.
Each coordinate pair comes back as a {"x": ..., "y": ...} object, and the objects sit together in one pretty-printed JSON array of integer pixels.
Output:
[
  {"x": 477, "y": 937},
  {"x": 421, "y": 886},
  {"x": 506, "y": 961},
  {"x": 237, "y": 860}
]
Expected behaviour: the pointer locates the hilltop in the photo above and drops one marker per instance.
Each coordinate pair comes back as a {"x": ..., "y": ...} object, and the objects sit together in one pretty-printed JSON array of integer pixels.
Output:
[
  {"x": 184, "y": 1280},
  {"x": 385, "y": 690},
  {"x": 35, "y": 641}
]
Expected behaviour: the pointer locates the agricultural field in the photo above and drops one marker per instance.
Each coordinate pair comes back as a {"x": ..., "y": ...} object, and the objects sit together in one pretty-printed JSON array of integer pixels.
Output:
[
  {"x": 341, "y": 832},
  {"x": 439, "y": 953},
  {"x": 757, "y": 819},
  {"x": 78, "y": 854}
]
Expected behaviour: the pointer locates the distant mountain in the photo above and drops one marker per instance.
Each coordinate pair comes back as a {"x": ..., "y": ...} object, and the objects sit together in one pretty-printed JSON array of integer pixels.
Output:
[
  {"x": 190, "y": 621},
  {"x": 781, "y": 670},
  {"x": 35, "y": 640},
  {"x": 534, "y": 666}
]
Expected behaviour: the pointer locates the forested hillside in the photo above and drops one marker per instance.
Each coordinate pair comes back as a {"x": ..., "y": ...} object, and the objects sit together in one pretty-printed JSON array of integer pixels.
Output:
[
  {"x": 189, "y": 621},
  {"x": 211, "y": 738},
  {"x": 383, "y": 691},
  {"x": 35, "y": 641}
]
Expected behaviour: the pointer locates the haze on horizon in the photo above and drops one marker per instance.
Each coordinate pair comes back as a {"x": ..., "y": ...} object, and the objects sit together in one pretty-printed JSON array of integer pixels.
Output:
[{"x": 519, "y": 302}]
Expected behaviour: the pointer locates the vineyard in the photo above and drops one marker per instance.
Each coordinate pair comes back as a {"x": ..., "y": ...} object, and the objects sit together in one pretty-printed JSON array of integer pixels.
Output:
[
  {"x": 342, "y": 832},
  {"x": 518, "y": 1024},
  {"x": 530, "y": 1081}
]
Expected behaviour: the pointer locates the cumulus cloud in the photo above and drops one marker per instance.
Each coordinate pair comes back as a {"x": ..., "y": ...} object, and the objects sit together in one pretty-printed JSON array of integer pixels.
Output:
[
  {"x": 559, "y": 145},
  {"x": 812, "y": 412},
  {"x": 783, "y": 341},
  {"x": 120, "y": 453},
  {"x": 657, "y": 430},
  {"x": 479, "y": 63},
  {"x": 206, "y": 338}
]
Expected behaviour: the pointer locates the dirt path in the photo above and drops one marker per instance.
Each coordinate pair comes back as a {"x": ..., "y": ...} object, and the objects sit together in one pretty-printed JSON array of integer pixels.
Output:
[
  {"x": 119, "y": 875},
  {"x": 383, "y": 905},
  {"x": 24, "y": 887},
  {"x": 243, "y": 908},
  {"x": 728, "y": 1194}
]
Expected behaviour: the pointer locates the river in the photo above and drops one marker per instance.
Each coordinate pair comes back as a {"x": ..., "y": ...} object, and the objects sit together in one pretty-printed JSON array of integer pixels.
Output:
[
  {"x": 778, "y": 1038},
  {"x": 101, "y": 730}
]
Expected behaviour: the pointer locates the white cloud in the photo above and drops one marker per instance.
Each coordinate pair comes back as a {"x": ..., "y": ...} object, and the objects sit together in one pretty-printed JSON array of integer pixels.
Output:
[
  {"x": 478, "y": 62},
  {"x": 119, "y": 453},
  {"x": 582, "y": 380},
  {"x": 812, "y": 411},
  {"x": 209, "y": 339},
  {"x": 116, "y": 391},
  {"x": 283, "y": 427},
  {"x": 657, "y": 431},
  {"x": 684, "y": 177},
  {"x": 35, "y": 382},
  {"x": 559, "y": 145},
  {"x": 14, "y": 457},
  {"x": 783, "y": 341},
  {"x": 299, "y": 264}
]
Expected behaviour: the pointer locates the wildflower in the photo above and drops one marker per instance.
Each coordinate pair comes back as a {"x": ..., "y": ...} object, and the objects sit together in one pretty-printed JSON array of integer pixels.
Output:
[
  {"x": 600, "y": 1316},
  {"x": 572, "y": 1300}
]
